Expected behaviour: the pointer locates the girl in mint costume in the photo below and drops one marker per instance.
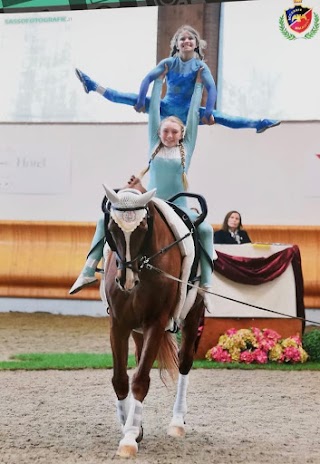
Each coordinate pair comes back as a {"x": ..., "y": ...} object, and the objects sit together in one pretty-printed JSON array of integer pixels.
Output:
[
  {"x": 181, "y": 78},
  {"x": 171, "y": 147}
]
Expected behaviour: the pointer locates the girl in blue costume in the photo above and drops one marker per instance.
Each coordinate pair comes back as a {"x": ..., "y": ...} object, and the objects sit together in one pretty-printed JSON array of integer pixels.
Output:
[
  {"x": 171, "y": 146},
  {"x": 182, "y": 70}
]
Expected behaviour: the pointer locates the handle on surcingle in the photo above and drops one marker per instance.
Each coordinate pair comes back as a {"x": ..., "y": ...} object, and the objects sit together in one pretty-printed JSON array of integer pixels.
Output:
[{"x": 202, "y": 202}]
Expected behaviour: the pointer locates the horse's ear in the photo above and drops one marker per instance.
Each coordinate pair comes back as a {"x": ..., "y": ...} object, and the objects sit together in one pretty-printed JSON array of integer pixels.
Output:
[
  {"x": 111, "y": 194},
  {"x": 146, "y": 197}
]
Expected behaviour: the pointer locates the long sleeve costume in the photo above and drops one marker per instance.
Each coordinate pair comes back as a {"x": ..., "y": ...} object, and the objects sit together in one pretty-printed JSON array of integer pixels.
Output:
[
  {"x": 180, "y": 79},
  {"x": 166, "y": 168}
]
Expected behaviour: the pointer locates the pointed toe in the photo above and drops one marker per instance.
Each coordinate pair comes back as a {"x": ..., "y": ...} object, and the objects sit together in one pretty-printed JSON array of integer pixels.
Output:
[
  {"x": 81, "y": 282},
  {"x": 88, "y": 84},
  {"x": 266, "y": 124}
]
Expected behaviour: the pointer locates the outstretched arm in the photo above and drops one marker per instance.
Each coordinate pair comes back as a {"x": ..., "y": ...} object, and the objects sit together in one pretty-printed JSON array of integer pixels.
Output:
[
  {"x": 154, "y": 109},
  {"x": 144, "y": 87}
]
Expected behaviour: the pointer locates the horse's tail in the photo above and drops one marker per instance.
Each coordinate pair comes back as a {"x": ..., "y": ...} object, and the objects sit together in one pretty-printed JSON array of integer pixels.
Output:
[{"x": 167, "y": 357}]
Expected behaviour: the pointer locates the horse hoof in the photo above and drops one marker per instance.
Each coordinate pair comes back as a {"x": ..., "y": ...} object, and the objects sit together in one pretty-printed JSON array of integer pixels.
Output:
[
  {"x": 128, "y": 446},
  {"x": 127, "y": 451},
  {"x": 176, "y": 431}
]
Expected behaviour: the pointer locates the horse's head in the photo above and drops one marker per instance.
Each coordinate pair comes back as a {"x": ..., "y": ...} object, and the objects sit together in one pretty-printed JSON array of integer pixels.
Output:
[{"x": 128, "y": 227}]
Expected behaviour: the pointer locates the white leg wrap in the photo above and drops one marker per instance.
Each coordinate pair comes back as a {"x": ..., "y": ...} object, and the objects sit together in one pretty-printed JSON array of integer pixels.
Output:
[
  {"x": 132, "y": 409},
  {"x": 134, "y": 419},
  {"x": 122, "y": 410},
  {"x": 180, "y": 405},
  {"x": 177, "y": 426}
]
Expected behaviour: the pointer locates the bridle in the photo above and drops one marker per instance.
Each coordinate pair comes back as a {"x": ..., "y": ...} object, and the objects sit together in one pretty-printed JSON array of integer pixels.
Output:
[
  {"x": 142, "y": 259},
  {"x": 122, "y": 263}
]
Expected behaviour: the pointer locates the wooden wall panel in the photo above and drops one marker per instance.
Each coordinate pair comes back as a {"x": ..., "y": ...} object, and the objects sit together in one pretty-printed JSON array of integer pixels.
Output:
[{"x": 42, "y": 259}]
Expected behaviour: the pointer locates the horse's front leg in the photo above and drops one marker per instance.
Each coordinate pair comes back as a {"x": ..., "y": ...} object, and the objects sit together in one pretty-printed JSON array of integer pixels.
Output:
[
  {"x": 132, "y": 429},
  {"x": 119, "y": 338},
  {"x": 130, "y": 410},
  {"x": 152, "y": 341},
  {"x": 127, "y": 409},
  {"x": 186, "y": 354}
]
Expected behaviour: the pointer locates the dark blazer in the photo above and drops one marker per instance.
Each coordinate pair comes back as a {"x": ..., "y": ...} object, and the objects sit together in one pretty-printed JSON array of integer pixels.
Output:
[{"x": 224, "y": 238}]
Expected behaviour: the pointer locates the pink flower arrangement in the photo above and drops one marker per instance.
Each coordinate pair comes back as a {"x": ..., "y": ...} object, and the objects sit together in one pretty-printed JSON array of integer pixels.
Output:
[{"x": 257, "y": 346}]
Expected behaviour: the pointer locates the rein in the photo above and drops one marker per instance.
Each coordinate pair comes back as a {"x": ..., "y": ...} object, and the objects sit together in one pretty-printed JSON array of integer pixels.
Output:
[
  {"x": 169, "y": 276},
  {"x": 144, "y": 262}
]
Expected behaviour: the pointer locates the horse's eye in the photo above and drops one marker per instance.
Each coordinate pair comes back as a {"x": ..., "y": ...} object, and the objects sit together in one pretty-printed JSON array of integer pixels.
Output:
[{"x": 143, "y": 225}]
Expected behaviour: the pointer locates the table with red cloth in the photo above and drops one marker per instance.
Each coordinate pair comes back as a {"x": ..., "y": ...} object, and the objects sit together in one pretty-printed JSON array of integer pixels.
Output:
[
  {"x": 264, "y": 275},
  {"x": 258, "y": 274}
]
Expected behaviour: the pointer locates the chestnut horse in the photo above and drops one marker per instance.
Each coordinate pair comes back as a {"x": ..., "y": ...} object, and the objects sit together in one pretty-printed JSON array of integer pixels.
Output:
[{"x": 142, "y": 302}]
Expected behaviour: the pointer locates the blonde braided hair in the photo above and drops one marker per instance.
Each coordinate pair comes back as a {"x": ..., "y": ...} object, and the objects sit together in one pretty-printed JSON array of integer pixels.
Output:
[
  {"x": 183, "y": 164},
  {"x": 154, "y": 154}
]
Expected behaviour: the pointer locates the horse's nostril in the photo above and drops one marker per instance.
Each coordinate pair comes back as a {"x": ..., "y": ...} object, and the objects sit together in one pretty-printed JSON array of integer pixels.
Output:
[
  {"x": 136, "y": 282},
  {"x": 117, "y": 280}
]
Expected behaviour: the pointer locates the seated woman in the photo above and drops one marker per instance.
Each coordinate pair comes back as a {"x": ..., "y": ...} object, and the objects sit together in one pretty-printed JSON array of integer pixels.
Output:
[{"x": 231, "y": 232}]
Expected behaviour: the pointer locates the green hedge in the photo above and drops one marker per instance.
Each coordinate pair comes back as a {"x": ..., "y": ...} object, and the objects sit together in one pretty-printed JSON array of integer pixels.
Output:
[{"x": 311, "y": 343}]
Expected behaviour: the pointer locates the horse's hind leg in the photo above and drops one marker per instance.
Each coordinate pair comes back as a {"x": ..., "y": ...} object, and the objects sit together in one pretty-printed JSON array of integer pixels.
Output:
[
  {"x": 186, "y": 354},
  {"x": 138, "y": 340}
]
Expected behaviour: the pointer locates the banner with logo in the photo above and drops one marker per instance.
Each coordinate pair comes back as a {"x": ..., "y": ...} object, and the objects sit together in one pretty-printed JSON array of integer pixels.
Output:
[{"x": 268, "y": 64}]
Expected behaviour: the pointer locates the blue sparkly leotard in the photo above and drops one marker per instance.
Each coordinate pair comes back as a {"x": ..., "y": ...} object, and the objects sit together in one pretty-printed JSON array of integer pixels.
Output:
[{"x": 180, "y": 79}]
